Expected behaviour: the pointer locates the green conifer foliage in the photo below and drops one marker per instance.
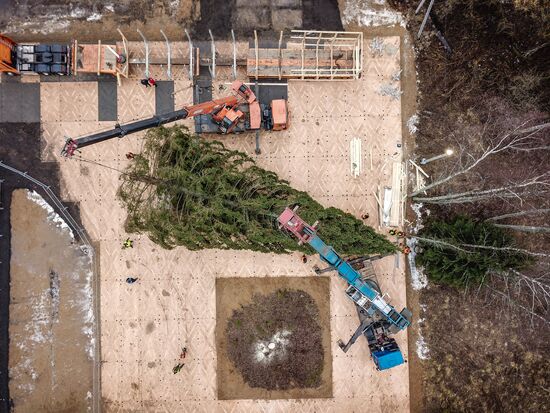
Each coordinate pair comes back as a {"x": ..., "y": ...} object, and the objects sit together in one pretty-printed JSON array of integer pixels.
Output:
[
  {"x": 464, "y": 265},
  {"x": 184, "y": 190}
]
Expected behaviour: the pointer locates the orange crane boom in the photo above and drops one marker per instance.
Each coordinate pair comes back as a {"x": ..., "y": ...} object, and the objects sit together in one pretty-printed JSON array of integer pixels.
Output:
[
  {"x": 225, "y": 113},
  {"x": 71, "y": 145}
]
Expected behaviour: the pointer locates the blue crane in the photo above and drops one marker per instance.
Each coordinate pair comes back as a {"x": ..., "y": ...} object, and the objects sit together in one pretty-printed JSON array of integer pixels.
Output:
[{"x": 378, "y": 318}]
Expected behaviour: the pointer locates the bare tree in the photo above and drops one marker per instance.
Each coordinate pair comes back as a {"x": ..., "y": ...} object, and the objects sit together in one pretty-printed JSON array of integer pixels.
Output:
[
  {"x": 520, "y": 213},
  {"x": 521, "y": 138},
  {"x": 535, "y": 229},
  {"x": 525, "y": 228},
  {"x": 538, "y": 185},
  {"x": 468, "y": 248},
  {"x": 530, "y": 294}
]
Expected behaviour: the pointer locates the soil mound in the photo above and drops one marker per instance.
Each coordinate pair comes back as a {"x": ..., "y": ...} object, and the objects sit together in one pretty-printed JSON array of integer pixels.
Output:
[{"x": 275, "y": 342}]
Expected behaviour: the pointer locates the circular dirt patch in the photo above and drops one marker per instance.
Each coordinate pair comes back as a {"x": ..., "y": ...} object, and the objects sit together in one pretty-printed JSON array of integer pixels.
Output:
[{"x": 275, "y": 342}]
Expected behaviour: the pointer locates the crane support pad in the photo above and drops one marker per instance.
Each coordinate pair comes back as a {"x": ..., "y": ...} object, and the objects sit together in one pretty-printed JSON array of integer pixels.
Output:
[
  {"x": 107, "y": 91},
  {"x": 19, "y": 102},
  {"x": 164, "y": 97}
]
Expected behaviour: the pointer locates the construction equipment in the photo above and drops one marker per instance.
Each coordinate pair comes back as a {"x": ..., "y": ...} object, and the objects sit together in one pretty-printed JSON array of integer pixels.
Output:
[
  {"x": 279, "y": 114},
  {"x": 378, "y": 318},
  {"x": 226, "y": 113},
  {"x": 243, "y": 91},
  {"x": 227, "y": 118},
  {"x": 62, "y": 59},
  {"x": 120, "y": 131},
  {"x": 100, "y": 58},
  {"x": 46, "y": 59}
]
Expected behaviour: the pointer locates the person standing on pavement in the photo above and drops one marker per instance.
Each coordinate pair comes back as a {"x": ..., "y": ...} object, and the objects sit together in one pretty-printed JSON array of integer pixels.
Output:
[{"x": 127, "y": 244}]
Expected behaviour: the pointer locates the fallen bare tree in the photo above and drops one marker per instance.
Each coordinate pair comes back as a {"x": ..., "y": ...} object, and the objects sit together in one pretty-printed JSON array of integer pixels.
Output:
[
  {"x": 525, "y": 228},
  {"x": 519, "y": 213},
  {"x": 536, "y": 185},
  {"x": 535, "y": 229}
]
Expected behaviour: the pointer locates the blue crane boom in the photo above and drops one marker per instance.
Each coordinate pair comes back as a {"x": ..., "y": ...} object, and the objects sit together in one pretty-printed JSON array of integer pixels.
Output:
[{"x": 380, "y": 318}]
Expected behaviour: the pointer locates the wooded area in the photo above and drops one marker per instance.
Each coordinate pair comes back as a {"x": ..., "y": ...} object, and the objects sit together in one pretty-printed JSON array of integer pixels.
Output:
[{"x": 484, "y": 92}]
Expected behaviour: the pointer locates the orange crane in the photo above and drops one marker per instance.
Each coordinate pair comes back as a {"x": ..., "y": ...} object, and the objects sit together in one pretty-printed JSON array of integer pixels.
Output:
[
  {"x": 225, "y": 112},
  {"x": 8, "y": 53}
]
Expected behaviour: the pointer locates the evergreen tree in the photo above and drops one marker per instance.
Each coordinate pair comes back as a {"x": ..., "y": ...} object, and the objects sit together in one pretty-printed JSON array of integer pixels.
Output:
[
  {"x": 184, "y": 190},
  {"x": 449, "y": 257}
]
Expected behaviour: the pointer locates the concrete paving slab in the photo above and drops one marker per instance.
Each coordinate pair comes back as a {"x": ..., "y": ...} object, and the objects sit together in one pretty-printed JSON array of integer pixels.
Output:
[
  {"x": 164, "y": 97},
  {"x": 107, "y": 100},
  {"x": 244, "y": 18},
  {"x": 135, "y": 101},
  {"x": 19, "y": 102},
  {"x": 252, "y": 4},
  {"x": 68, "y": 101},
  {"x": 282, "y": 19},
  {"x": 286, "y": 4}
]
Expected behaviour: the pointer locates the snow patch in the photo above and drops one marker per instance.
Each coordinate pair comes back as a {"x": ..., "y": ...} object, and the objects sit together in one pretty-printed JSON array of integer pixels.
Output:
[
  {"x": 265, "y": 351},
  {"x": 174, "y": 5},
  {"x": 77, "y": 13},
  {"x": 83, "y": 301},
  {"x": 39, "y": 325},
  {"x": 52, "y": 23},
  {"x": 25, "y": 368},
  {"x": 389, "y": 90},
  {"x": 377, "y": 46},
  {"x": 94, "y": 17},
  {"x": 110, "y": 7},
  {"x": 371, "y": 13},
  {"x": 52, "y": 215},
  {"x": 86, "y": 306},
  {"x": 422, "y": 350},
  {"x": 412, "y": 124},
  {"x": 419, "y": 280}
]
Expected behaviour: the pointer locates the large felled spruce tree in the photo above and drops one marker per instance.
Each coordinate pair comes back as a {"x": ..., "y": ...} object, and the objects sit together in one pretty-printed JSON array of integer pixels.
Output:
[{"x": 184, "y": 190}]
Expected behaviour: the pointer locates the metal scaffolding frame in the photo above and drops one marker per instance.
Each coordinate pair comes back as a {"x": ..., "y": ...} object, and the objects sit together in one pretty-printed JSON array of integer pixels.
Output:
[
  {"x": 190, "y": 55},
  {"x": 168, "y": 55},
  {"x": 234, "y": 55},
  {"x": 146, "y": 73},
  {"x": 212, "y": 67},
  {"x": 279, "y": 56},
  {"x": 308, "y": 41},
  {"x": 256, "y": 51}
]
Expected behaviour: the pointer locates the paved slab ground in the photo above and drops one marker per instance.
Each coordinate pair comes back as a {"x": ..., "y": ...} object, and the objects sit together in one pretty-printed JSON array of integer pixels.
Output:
[
  {"x": 19, "y": 102},
  {"x": 144, "y": 326}
]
